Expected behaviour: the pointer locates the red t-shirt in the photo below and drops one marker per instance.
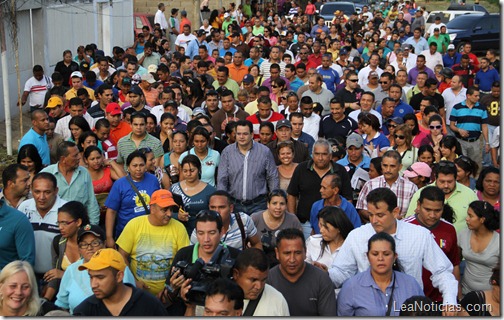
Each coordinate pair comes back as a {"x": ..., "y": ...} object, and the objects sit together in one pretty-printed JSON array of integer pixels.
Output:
[{"x": 446, "y": 237}]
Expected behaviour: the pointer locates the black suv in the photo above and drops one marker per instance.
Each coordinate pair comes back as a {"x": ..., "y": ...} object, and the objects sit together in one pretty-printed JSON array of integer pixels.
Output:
[{"x": 482, "y": 31}]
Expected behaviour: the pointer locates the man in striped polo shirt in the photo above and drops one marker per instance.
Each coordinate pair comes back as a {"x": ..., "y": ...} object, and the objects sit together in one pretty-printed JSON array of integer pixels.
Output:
[
  {"x": 138, "y": 138},
  {"x": 468, "y": 120},
  {"x": 36, "y": 88}
]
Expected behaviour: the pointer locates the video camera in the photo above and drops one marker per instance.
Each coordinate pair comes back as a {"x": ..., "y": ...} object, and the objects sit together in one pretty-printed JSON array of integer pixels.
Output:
[{"x": 202, "y": 274}]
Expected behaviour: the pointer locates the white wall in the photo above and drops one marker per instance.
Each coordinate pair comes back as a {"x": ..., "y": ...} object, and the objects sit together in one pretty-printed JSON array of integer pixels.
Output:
[{"x": 58, "y": 27}]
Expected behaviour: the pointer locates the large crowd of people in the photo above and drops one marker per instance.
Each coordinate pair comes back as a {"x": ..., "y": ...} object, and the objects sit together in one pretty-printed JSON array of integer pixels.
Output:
[{"x": 266, "y": 163}]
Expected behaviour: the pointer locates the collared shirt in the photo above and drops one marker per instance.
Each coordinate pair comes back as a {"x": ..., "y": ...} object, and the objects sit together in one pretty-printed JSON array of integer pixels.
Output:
[
  {"x": 161, "y": 19},
  {"x": 361, "y": 296},
  {"x": 72, "y": 93},
  {"x": 413, "y": 73},
  {"x": 415, "y": 248},
  {"x": 209, "y": 164},
  {"x": 403, "y": 189},
  {"x": 126, "y": 145},
  {"x": 419, "y": 45},
  {"x": 79, "y": 189},
  {"x": 346, "y": 206},
  {"x": 459, "y": 200},
  {"x": 45, "y": 229},
  {"x": 122, "y": 129},
  {"x": 40, "y": 142},
  {"x": 247, "y": 176},
  {"x": 470, "y": 119},
  {"x": 237, "y": 72}
]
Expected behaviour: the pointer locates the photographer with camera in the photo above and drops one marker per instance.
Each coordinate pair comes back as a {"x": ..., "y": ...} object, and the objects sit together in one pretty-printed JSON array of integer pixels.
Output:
[
  {"x": 196, "y": 266},
  {"x": 250, "y": 273},
  {"x": 238, "y": 228}
]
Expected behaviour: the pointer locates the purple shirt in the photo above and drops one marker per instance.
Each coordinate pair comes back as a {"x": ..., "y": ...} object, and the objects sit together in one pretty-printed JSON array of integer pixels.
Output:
[
  {"x": 267, "y": 83},
  {"x": 413, "y": 73}
]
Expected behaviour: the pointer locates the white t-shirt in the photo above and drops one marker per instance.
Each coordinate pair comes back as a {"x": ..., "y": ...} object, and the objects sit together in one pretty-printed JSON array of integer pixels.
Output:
[
  {"x": 38, "y": 89},
  {"x": 62, "y": 125},
  {"x": 272, "y": 304},
  {"x": 183, "y": 40}
]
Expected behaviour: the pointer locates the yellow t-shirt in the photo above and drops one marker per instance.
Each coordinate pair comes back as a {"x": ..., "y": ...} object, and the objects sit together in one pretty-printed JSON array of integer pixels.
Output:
[{"x": 152, "y": 249}]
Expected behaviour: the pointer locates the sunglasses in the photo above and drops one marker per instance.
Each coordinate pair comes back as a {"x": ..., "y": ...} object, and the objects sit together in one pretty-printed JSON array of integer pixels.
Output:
[
  {"x": 383, "y": 82},
  {"x": 447, "y": 164},
  {"x": 274, "y": 86},
  {"x": 390, "y": 125},
  {"x": 353, "y": 80},
  {"x": 283, "y": 98},
  {"x": 207, "y": 213},
  {"x": 435, "y": 127},
  {"x": 399, "y": 136}
]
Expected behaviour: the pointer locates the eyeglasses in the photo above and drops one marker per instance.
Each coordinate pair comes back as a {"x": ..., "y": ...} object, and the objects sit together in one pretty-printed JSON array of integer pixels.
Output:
[
  {"x": 435, "y": 127},
  {"x": 145, "y": 150},
  {"x": 353, "y": 80},
  {"x": 399, "y": 136},
  {"x": 390, "y": 125},
  {"x": 65, "y": 223},
  {"x": 93, "y": 244}
]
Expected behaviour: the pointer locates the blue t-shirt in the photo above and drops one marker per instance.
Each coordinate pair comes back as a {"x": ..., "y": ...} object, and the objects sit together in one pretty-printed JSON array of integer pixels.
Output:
[
  {"x": 485, "y": 79},
  {"x": 17, "y": 240},
  {"x": 192, "y": 204},
  {"x": 222, "y": 52},
  {"x": 331, "y": 78},
  {"x": 346, "y": 206},
  {"x": 124, "y": 200},
  {"x": 381, "y": 141},
  {"x": 40, "y": 142},
  {"x": 208, "y": 165}
]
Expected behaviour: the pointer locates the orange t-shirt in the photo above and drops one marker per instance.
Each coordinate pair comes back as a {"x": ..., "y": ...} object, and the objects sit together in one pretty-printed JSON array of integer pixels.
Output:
[{"x": 118, "y": 132}]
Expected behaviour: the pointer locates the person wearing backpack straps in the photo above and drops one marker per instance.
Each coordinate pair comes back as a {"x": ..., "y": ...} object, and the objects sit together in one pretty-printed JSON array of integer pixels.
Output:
[{"x": 239, "y": 230}]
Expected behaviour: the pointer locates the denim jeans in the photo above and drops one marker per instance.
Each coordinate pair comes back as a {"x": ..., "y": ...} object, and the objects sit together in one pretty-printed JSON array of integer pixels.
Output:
[{"x": 250, "y": 208}]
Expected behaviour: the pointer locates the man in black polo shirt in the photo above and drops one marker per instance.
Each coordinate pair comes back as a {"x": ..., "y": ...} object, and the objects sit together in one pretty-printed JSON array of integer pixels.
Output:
[
  {"x": 284, "y": 133},
  {"x": 351, "y": 93},
  {"x": 337, "y": 123},
  {"x": 111, "y": 296},
  {"x": 305, "y": 183}
]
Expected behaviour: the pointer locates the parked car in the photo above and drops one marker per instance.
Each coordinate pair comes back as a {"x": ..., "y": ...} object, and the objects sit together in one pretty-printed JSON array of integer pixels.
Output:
[
  {"x": 481, "y": 30},
  {"x": 142, "y": 19},
  {"x": 447, "y": 16},
  {"x": 361, "y": 3},
  {"x": 327, "y": 10}
]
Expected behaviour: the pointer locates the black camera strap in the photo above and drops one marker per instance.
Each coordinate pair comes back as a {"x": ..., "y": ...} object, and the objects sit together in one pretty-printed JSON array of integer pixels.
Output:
[
  {"x": 242, "y": 230},
  {"x": 252, "y": 305},
  {"x": 128, "y": 177},
  {"x": 391, "y": 297}
]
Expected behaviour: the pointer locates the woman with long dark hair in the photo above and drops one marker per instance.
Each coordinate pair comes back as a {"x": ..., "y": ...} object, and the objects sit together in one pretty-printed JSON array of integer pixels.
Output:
[
  {"x": 467, "y": 170},
  {"x": 322, "y": 249},
  {"x": 29, "y": 157}
]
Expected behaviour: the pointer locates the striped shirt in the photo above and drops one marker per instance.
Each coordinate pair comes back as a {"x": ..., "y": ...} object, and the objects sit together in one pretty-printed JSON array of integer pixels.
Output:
[
  {"x": 233, "y": 237},
  {"x": 126, "y": 145},
  {"x": 247, "y": 176},
  {"x": 469, "y": 119},
  {"x": 37, "y": 90},
  {"x": 403, "y": 189}
]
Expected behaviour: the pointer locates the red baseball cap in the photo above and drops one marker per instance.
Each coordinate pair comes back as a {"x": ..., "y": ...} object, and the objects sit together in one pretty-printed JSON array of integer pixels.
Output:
[{"x": 113, "y": 108}]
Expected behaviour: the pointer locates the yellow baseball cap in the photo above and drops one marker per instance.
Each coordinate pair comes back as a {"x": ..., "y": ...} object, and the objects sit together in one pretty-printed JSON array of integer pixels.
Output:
[
  {"x": 54, "y": 102},
  {"x": 105, "y": 258}
]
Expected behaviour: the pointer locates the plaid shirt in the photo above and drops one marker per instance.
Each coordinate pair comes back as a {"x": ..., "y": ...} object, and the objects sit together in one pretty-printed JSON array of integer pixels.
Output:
[{"x": 403, "y": 188}]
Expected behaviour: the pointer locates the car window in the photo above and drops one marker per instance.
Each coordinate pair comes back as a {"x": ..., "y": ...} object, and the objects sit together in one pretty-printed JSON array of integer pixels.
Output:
[
  {"x": 445, "y": 17},
  {"x": 151, "y": 20},
  {"x": 330, "y": 8},
  {"x": 138, "y": 23},
  {"x": 462, "y": 23}
]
